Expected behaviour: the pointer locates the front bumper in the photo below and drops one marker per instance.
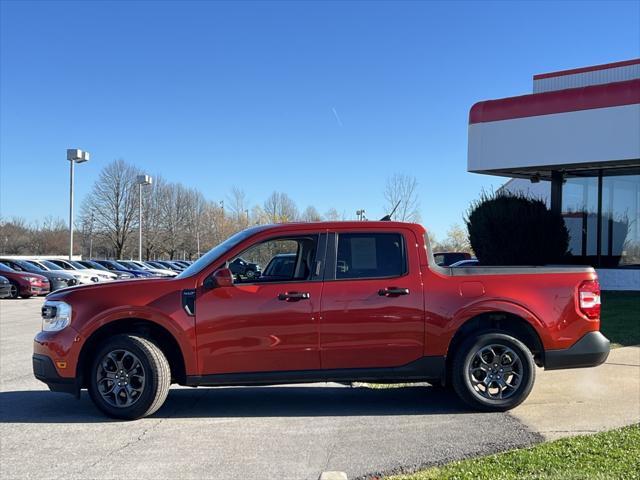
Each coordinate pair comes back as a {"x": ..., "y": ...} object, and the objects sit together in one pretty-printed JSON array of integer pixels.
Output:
[
  {"x": 5, "y": 290},
  {"x": 46, "y": 372},
  {"x": 590, "y": 351}
]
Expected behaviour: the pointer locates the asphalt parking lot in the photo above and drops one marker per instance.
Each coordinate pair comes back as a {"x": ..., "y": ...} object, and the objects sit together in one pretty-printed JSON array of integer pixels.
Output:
[{"x": 285, "y": 432}]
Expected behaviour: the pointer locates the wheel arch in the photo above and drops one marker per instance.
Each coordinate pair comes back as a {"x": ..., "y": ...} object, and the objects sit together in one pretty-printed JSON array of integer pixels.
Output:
[
  {"x": 153, "y": 331},
  {"x": 498, "y": 321}
]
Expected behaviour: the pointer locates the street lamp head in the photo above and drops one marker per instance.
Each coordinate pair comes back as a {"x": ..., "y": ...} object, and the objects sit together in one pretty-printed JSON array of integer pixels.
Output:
[
  {"x": 77, "y": 155},
  {"x": 144, "y": 180}
]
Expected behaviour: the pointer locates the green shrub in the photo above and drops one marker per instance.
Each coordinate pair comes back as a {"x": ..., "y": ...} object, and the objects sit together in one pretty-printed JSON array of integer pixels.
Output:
[{"x": 513, "y": 229}]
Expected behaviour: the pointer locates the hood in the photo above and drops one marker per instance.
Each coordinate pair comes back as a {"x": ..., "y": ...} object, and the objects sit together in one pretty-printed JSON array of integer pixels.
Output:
[{"x": 106, "y": 289}]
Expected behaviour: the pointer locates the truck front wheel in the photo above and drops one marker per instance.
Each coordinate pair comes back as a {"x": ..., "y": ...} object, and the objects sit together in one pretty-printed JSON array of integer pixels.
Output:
[
  {"x": 129, "y": 377},
  {"x": 493, "y": 372}
]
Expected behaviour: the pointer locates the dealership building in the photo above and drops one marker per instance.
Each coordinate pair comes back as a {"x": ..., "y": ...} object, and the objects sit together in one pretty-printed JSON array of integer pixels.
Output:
[{"x": 574, "y": 141}]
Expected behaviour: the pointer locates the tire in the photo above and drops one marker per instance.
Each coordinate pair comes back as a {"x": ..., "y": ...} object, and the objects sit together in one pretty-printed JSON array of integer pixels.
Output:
[
  {"x": 493, "y": 372},
  {"x": 250, "y": 274},
  {"x": 129, "y": 377},
  {"x": 15, "y": 290}
]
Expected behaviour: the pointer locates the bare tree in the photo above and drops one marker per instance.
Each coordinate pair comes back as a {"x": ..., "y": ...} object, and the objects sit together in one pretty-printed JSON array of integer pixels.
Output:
[
  {"x": 401, "y": 190},
  {"x": 457, "y": 240},
  {"x": 332, "y": 215},
  {"x": 311, "y": 214},
  {"x": 112, "y": 202},
  {"x": 279, "y": 208},
  {"x": 238, "y": 205}
]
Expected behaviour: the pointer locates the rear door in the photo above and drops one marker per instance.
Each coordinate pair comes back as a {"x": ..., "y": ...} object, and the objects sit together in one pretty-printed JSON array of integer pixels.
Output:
[{"x": 372, "y": 311}]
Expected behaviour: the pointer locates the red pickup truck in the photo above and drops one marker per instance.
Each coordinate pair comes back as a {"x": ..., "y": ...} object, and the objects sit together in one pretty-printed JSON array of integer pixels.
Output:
[{"x": 361, "y": 301}]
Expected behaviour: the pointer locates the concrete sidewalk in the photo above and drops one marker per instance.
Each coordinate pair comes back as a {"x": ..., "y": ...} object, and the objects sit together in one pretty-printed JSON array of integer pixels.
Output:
[{"x": 573, "y": 402}]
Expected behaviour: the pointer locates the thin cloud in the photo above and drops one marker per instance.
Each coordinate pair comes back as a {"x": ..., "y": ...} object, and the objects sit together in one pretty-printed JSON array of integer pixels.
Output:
[{"x": 337, "y": 116}]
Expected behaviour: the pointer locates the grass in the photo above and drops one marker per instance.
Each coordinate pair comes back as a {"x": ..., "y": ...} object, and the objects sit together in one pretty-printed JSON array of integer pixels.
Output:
[
  {"x": 620, "y": 318},
  {"x": 608, "y": 455}
]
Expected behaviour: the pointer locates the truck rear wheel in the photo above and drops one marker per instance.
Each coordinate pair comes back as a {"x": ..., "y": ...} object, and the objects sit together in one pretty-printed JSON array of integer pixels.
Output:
[
  {"x": 129, "y": 377},
  {"x": 493, "y": 372}
]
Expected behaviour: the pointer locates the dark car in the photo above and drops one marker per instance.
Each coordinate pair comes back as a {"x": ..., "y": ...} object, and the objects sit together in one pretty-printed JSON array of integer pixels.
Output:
[
  {"x": 245, "y": 269},
  {"x": 25, "y": 285},
  {"x": 280, "y": 266},
  {"x": 97, "y": 266},
  {"x": 445, "y": 259},
  {"x": 57, "y": 279},
  {"x": 115, "y": 267},
  {"x": 5, "y": 287}
]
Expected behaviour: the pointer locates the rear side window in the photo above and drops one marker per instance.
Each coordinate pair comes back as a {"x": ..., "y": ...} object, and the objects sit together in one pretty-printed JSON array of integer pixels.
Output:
[{"x": 370, "y": 255}]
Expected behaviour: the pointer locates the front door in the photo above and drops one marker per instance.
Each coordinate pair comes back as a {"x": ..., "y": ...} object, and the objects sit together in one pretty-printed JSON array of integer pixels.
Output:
[
  {"x": 372, "y": 302},
  {"x": 268, "y": 320}
]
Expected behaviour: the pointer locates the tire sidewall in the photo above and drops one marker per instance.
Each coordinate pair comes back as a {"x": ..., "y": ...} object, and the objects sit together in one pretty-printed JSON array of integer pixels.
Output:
[
  {"x": 463, "y": 384},
  {"x": 141, "y": 406},
  {"x": 15, "y": 290}
]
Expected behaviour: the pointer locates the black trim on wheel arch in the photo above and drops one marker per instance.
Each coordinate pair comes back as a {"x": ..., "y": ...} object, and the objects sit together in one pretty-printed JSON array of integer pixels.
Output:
[
  {"x": 45, "y": 371},
  {"x": 590, "y": 351},
  {"x": 424, "y": 369}
]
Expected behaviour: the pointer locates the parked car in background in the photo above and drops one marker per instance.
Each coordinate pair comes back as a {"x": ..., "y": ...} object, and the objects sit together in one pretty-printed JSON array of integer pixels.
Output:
[
  {"x": 23, "y": 284},
  {"x": 184, "y": 263},
  {"x": 115, "y": 267},
  {"x": 96, "y": 266},
  {"x": 82, "y": 277},
  {"x": 280, "y": 266},
  {"x": 164, "y": 264},
  {"x": 158, "y": 272},
  {"x": 171, "y": 264},
  {"x": 57, "y": 279},
  {"x": 5, "y": 287},
  {"x": 445, "y": 259},
  {"x": 103, "y": 275},
  {"x": 473, "y": 262},
  {"x": 244, "y": 269}
]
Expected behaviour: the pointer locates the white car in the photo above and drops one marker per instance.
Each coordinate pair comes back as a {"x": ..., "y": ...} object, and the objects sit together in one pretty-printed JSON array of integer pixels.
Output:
[
  {"x": 70, "y": 265},
  {"x": 83, "y": 278},
  {"x": 160, "y": 272}
]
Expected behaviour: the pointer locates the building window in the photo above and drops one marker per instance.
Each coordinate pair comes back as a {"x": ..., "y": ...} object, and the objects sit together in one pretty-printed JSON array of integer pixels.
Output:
[
  {"x": 620, "y": 244},
  {"x": 609, "y": 203}
]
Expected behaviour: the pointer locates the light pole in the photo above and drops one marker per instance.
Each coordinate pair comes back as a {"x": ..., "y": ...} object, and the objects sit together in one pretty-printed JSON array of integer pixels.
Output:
[
  {"x": 141, "y": 180},
  {"x": 74, "y": 156},
  {"x": 360, "y": 214}
]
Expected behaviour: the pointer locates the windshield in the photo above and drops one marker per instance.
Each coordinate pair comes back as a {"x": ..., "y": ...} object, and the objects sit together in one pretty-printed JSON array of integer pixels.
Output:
[
  {"x": 28, "y": 267},
  {"x": 95, "y": 265},
  {"x": 219, "y": 250},
  {"x": 77, "y": 264},
  {"x": 51, "y": 265},
  {"x": 4, "y": 268},
  {"x": 129, "y": 265}
]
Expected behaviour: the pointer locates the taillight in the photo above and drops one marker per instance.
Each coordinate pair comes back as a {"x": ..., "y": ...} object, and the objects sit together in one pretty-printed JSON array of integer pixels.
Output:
[{"x": 589, "y": 298}]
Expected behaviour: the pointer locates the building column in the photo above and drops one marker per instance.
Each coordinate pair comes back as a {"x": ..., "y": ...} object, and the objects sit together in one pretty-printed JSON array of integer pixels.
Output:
[{"x": 557, "y": 178}]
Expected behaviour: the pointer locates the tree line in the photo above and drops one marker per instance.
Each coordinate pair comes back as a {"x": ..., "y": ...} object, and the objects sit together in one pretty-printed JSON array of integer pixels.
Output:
[{"x": 178, "y": 221}]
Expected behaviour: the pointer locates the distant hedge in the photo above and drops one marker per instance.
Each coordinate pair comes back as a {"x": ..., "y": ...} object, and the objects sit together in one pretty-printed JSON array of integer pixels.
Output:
[{"x": 513, "y": 229}]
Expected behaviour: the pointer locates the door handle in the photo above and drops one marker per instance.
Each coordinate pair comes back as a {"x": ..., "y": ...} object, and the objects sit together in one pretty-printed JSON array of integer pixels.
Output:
[
  {"x": 393, "y": 291},
  {"x": 294, "y": 296}
]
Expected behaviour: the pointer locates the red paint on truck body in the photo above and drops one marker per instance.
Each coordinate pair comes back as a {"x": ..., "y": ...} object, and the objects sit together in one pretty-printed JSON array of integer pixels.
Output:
[{"x": 343, "y": 323}]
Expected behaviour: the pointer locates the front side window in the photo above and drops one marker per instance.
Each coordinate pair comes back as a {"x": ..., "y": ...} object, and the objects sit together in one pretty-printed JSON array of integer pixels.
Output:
[
  {"x": 370, "y": 255},
  {"x": 288, "y": 259}
]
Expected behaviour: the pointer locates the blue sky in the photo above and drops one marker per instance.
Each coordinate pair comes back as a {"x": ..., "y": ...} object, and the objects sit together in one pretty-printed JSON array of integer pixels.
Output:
[{"x": 221, "y": 94}]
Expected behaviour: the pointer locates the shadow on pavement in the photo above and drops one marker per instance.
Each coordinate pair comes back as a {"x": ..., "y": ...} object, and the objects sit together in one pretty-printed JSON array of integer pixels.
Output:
[{"x": 39, "y": 406}]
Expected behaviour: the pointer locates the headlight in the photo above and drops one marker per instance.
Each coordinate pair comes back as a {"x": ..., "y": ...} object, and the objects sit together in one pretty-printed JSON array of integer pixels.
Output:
[
  {"x": 33, "y": 280},
  {"x": 55, "y": 316}
]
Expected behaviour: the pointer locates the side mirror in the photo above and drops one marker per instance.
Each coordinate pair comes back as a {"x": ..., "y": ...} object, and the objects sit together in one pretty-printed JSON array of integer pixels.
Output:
[{"x": 220, "y": 278}]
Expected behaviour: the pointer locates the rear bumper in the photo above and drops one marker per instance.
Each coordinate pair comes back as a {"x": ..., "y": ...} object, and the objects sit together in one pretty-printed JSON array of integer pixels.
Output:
[
  {"x": 590, "y": 351},
  {"x": 46, "y": 372}
]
